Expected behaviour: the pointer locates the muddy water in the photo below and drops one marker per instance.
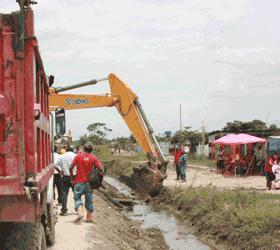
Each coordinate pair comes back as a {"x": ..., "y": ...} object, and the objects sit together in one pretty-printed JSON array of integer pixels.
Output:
[{"x": 176, "y": 235}]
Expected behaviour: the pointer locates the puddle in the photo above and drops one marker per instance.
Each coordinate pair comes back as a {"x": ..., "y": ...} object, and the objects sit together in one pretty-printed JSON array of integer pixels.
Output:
[{"x": 176, "y": 235}]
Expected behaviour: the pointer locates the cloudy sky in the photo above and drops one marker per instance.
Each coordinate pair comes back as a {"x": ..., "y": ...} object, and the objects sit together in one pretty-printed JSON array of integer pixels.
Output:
[{"x": 218, "y": 59}]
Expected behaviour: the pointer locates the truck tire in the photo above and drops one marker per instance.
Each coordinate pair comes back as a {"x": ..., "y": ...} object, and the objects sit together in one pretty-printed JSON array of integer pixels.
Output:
[
  {"x": 25, "y": 236},
  {"x": 37, "y": 239},
  {"x": 50, "y": 235}
]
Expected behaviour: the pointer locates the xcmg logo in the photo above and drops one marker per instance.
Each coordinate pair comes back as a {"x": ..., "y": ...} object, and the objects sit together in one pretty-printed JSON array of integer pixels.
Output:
[{"x": 76, "y": 101}]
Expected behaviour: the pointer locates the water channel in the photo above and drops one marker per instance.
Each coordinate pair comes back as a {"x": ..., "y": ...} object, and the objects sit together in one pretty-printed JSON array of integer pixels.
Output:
[{"x": 176, "y": 234}]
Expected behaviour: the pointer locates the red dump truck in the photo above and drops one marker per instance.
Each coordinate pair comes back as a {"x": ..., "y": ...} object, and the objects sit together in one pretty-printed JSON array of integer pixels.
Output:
[{"x": 26, "y": 169}]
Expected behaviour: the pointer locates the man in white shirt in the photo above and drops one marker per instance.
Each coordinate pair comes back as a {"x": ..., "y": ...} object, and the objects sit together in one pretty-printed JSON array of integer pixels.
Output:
[
  {"x": 57, "y": 174},
  {"x": 65, "y": 163}
]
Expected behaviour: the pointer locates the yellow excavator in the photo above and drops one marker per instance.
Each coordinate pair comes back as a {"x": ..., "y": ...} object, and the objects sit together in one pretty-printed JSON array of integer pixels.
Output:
[{"x": 147, "y": 179}]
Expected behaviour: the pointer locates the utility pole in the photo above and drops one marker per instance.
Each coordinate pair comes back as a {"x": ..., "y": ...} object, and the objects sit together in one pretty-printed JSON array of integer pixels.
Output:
[
  {"x": 203, "y": 137},
  {"x": 180, "y": 140},
  {"x": 180, "y": 119}
]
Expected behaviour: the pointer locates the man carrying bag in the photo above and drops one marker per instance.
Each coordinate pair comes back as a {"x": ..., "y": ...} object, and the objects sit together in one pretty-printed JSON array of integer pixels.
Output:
[{"x": 85, "y": 163}]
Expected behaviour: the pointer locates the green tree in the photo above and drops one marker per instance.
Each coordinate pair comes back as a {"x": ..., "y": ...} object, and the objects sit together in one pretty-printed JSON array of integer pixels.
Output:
[
  {"x": 186, "y": 134},
  {"x": 83, "y": 139},
  {"x": 233, "y": 126},
  {"x": 245, "y": 126},
  {"x": 132, "y": 139},
  {"x": 97, "y": 133},
  {"x": 273, "y": 127},
  {"x": 160, "y": 137}
]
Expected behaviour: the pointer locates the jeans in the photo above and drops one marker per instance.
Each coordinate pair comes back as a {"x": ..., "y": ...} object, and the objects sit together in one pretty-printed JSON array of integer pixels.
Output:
[
  {"x": 238, "y": 168},
  {"x": 178, "y": 171},
  {"x": 183, "y": 172},
  {"x": 57, "y": 182},
  {"x": 65, "y": 184},
  {"x": 83, "y": 188}
]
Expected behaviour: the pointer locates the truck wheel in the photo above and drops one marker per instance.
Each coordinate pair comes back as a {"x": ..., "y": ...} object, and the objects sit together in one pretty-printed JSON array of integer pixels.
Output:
[
  {"x": 24, "y": 236},
  {"x": 50, "y": 235},
  {"x": 36, "y": 239}
]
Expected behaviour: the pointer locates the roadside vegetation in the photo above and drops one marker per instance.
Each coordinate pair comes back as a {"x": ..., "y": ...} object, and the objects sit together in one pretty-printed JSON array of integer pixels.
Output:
[
  {"x": 199, "y": 160},
  {"x": 240, "y": 219},
  {"x": 237, "y": 219}
]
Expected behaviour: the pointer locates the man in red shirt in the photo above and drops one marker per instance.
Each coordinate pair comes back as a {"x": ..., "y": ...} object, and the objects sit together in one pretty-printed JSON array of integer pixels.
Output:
[
  {"x": 268, "y": 172},
  {"x": 85, "y": 163},
  {"x": 177, "y": 155}
]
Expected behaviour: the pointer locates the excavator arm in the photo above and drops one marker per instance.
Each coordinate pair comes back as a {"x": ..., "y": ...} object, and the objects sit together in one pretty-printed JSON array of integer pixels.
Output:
[{"x": 123, "y": 98}]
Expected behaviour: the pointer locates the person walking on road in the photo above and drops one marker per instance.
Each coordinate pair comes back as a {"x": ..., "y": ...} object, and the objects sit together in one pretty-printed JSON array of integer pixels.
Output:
[
  {"x": 177, "y": 155},
  {"x": 78, "y": 150},
  {"x": 85, "y": 163},
  {"x": 65, "y": 163},
  {"x": 57, "y": 175},
  {"x": 269, "y": 173},
  {"x": 183, "y": 165}
]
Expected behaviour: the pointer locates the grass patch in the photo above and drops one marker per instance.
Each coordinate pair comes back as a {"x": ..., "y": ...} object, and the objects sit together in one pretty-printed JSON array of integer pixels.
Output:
[
  {"x": 138, "y": 157},
  {"x": 242, "y": 219},
  {"x": 118, "y": 165},
  {"x": 200, "y": 160}
]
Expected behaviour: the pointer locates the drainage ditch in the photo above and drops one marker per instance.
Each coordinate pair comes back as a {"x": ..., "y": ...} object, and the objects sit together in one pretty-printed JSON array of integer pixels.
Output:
[{"x": 176, "y": 234}]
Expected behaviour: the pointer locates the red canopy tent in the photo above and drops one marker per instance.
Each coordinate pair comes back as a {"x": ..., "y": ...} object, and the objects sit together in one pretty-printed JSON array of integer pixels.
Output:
[{"x": 233, "y": 140}]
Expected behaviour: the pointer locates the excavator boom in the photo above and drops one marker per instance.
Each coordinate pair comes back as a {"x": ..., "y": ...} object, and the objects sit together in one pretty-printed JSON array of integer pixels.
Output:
[
  {"x": 122, "y": 97},
  {"x": 69, "y": 101},
  {"x": 146, "y": 179}
]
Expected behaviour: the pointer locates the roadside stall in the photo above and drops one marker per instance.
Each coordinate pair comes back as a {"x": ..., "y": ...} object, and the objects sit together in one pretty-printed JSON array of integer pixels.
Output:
[{"x": 237, "y": 140}]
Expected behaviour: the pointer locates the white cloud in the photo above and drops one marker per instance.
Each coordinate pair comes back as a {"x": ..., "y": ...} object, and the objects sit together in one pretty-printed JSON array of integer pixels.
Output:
[
  {"x": 222, "y": 85},
  {"x": 60, "y": 54},
  {"x": 241, "y": 51}
]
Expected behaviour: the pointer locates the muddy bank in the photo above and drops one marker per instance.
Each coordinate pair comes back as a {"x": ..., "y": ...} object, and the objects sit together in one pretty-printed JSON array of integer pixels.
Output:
[
  {"x": 168, "y": 200},
  {"x": 176, "y": 234},
  {"x": 118, "y": 228},
  {"x": 162, "y": 201}
]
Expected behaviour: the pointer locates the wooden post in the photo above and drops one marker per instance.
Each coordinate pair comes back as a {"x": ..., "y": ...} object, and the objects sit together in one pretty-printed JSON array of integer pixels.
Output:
[
  {"x": 250, "y": 165},
  {"x": 203, "y": 138}
]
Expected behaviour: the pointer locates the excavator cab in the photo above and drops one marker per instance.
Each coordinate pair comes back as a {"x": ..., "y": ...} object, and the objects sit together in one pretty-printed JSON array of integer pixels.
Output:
[{"x": 60, "y": 127}]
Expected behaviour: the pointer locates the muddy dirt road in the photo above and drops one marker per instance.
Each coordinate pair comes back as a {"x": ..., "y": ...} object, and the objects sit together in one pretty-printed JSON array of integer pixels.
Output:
[{"x": 203, "y": 176}]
